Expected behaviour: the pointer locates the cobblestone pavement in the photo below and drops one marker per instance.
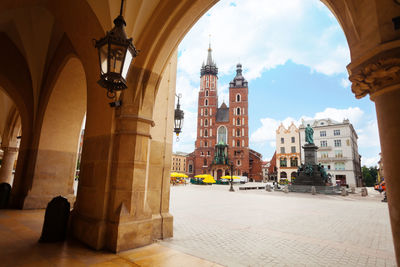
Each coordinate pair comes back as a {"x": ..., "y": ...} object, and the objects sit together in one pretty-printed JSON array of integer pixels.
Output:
[{"x": 259, "y": 228}]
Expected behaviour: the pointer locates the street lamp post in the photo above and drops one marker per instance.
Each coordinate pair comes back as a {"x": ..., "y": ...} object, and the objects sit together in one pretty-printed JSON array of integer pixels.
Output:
[
  {"x": 178, "y": 119},
  {"x": 231, "y": 189}
]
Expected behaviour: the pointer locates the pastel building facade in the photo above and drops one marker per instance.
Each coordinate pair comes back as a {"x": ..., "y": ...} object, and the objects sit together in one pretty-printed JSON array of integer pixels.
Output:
[
  {"x": 287, "y": 152},
  {"x": 337, "y": 149}
]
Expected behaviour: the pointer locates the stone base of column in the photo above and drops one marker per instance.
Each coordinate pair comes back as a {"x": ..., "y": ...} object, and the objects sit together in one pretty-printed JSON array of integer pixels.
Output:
[
  {"x": 34, "y": 201},
  {"x": 162, "y": 225},
  {"x": 89, "y": 231}
]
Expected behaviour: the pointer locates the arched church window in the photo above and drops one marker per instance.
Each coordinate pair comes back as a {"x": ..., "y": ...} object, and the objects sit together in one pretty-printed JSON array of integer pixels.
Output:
[
  {"x": 205, "y": 122},
  {"x": 206, "y": 92},
  {"x": 238, "y": 98},
  {"x": 206, "y": 112},
  {"x": 238, "y": 143},
  {"x": 238, "y": 121},
  {"x": 238, "y": 111},
  {"x": 206, "y": 102},
  {"x": 238, "y": 132},
  {"x": 222, "y": 134},
  {"x": 205, "y": 132}
]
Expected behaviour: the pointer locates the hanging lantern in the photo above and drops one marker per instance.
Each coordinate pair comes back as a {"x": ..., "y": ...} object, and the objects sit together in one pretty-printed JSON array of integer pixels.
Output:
[
  {"x": 116, "y": 52},
  {"x": 178, "y": 120}
]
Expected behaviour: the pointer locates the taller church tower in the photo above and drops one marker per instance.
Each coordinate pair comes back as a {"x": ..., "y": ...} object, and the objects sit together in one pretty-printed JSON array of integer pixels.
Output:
[{"x": 207, "y": 108}]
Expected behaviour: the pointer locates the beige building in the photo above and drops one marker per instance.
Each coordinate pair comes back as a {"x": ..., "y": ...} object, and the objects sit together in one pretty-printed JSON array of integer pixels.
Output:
[
  {"x": 337, "y": 149},
  {"x": 287, "y": 151},
  {"x": 179, "y": 162}
]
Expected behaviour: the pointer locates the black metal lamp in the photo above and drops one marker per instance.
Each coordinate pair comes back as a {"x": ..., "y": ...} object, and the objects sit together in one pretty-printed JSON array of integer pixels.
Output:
[
  {"x": 178, "y": 119},
  {"x": 231, "y": 181},
  {"x": 116, "y": 52}
]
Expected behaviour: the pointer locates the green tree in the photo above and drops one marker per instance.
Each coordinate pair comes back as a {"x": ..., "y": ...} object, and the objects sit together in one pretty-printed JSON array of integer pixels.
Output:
[{"x": 369, "y": 175}]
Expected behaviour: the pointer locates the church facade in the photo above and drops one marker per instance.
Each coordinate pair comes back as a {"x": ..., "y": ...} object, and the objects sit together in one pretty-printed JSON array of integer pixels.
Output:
[{"x": 222, "y": 131}]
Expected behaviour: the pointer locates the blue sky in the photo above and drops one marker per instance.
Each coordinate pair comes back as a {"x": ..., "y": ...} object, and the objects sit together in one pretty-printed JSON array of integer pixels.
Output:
[{"x": 294, "y": 54}]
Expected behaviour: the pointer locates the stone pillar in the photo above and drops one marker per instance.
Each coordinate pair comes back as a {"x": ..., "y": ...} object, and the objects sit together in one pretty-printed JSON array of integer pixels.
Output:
[
  {"x": 381, "y": 79},
  {"x": 7, "y": 164}
]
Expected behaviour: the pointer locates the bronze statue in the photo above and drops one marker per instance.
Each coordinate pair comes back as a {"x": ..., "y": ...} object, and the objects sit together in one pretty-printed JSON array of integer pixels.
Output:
[{"x": 309, "y": 134}]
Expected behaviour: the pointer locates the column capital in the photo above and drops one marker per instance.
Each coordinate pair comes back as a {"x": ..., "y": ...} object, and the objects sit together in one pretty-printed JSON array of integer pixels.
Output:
[{"x": 376, "y": 78}]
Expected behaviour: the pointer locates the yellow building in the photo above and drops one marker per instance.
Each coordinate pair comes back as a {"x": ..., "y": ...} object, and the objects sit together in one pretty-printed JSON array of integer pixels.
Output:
[
  {"x": 179, "y": 162},
  {"x": 287, "y": 152}
]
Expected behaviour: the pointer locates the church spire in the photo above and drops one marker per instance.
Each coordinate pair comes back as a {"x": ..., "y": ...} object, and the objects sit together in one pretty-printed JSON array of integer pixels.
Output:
[{"x": 210, "y": 67}]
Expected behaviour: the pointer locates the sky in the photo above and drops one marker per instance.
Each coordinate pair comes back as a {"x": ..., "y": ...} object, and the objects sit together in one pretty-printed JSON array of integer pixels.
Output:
[{"x": 294, "y": 55}]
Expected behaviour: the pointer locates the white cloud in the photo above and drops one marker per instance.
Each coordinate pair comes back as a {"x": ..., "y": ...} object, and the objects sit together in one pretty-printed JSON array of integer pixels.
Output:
[
  {"x": 345, "y": 83},
  {"x": 263, "y": 35},
  {"x": 370, "y": 162},
  {"x": 368, "y": 136},
  {"x": 353, "y": 114}
]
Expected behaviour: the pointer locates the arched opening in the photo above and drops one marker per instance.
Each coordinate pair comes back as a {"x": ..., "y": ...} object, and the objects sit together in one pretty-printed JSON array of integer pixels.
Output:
[
  {"x": 283, "y": 175},
  {"x": 60, "y": 137}
]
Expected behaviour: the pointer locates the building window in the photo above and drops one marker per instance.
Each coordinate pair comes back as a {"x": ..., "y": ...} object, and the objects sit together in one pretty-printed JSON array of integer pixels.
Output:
[
  {"x": 239, "y": 163},
  {"x": 238, "y": 98},
  {"x": 238, "y": 111},
  {"x": 202, "y": 153},
  {"x": 348, "y": 142},
  {"x": 338, "y": 143},
  {"x": 339, "y": 166},
  {"x": 282, "y": 150},
  {"x": 205, "y": 133},
  {"x": 324, "y": 143},
  {"x": 283, "y": 162},
  {"x": 336, "y": 132},
  {"x": 205, "y": 162},
  {"x": 222, "y": 134},
  {"x": 338, "y": 154},
  {"x": 206, "y": 112},
  {"x": 208, "y": 152},
  {"x": 293, "y": 139},
  {"x": 322, "y": 133},
  {"x": 237, "y": 143},
  {"x": 205, "y": 122},
  {"x": 238, "y": 121},
  {"x": 206, "y": 92},
  {"x": 282, "y": 140},
  {"x": 205, "y": 144},
  {"x": 190, "y": 168},
  {"x": 238, "y": 132},
  {"x": 294, "y": 162},
  {"x": 293, "y": 149},
  {"x": 324, "y": 154},
  {"x": 206, "y": 102}
]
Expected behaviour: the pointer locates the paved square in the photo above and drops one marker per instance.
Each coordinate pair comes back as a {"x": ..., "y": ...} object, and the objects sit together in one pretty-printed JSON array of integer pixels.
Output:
[{"x": 259, "y": 228}]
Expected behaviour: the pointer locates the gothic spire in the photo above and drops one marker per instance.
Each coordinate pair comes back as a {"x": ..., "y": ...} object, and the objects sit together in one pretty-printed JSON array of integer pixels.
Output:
[{"x": 210, "y": 67}]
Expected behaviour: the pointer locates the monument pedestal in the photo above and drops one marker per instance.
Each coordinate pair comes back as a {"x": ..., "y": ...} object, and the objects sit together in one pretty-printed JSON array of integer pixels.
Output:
[{"x": 310, "y": 173}]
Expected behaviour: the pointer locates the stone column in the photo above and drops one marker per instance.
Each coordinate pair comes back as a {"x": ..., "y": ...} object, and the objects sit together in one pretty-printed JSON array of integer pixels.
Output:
[
  {"x": 381, "y": 80},
  {"x": 7, "y": 164}
]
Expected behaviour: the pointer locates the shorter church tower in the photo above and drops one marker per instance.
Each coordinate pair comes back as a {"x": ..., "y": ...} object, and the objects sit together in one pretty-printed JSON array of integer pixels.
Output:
[{"x": 238, "y": 140}]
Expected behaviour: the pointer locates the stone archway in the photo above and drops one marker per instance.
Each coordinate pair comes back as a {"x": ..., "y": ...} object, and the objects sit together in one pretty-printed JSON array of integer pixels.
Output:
[{"x": 59, "y": 137}]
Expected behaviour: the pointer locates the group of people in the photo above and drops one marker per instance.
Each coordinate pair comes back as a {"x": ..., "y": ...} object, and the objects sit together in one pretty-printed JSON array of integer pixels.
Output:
[{"x": 381, "y": 187}]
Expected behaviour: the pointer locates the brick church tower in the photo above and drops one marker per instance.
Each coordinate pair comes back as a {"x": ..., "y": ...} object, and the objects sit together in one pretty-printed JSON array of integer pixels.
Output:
[{"x": 222, "y": 132}]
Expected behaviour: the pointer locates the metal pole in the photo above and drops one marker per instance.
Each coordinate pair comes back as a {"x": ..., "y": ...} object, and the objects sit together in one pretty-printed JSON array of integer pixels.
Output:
[{"x": 231, "y": 189}]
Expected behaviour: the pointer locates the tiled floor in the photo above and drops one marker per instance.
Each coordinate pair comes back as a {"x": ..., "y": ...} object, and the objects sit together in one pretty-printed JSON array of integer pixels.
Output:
[
  {"x": 259, "y": 228},
  {"x": 20, "y": 232}
]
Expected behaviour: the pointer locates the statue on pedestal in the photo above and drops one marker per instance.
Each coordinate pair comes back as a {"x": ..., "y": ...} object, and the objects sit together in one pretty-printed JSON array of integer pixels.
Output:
[{"x": 309, "y": 134}]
